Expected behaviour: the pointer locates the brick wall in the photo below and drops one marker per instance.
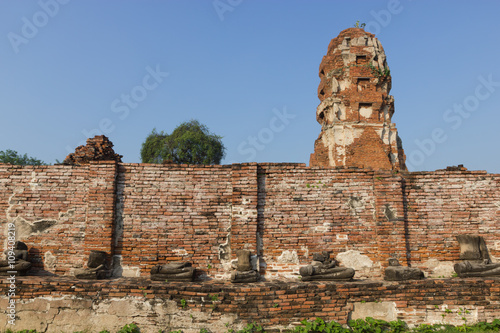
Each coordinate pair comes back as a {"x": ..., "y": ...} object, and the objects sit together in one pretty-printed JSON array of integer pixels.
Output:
[
  {"x": 49, "y": 206},
  {"x": 442, "y": 204},
  {"x": 307, "y": 210},
  {"x": 62, "y": 304},
  {"x": 170, "y": 213},
  {"x": 145, "y": 214},
  {"x": 100, "y": 221}
]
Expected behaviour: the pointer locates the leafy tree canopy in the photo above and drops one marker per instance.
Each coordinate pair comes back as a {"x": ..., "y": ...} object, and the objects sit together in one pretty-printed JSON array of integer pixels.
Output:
[
  {"x": 190, "y": 143},
  {"x": 12, "y": 157}
]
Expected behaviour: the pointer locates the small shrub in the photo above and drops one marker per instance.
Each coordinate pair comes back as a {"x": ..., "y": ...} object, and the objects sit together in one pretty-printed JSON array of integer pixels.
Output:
[
  {"x": 319, "y": 325},
  {"x": 397, "y": 326},
  {"x": 424, "y": 328},
  {"x": 251, "y": 328},
  {"x": 129, "y": 328},
  {"x": 368, "y": 325},
  {"x": 183, "y": 303}
]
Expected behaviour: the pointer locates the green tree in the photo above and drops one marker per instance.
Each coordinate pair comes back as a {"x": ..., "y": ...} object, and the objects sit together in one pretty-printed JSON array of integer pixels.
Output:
[
  {"x": 153, "y": 149},
  {"x": 189, "y": 143},
  {"x": 12, "y": 157}
]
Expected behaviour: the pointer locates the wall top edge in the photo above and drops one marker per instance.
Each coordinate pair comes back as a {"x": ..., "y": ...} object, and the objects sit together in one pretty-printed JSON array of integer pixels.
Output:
[{"x": 4, "y": 167}]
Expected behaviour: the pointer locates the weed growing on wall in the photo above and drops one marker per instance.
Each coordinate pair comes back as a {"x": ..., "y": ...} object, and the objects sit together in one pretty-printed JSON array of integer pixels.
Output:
[{"x": 183, "y": 303}]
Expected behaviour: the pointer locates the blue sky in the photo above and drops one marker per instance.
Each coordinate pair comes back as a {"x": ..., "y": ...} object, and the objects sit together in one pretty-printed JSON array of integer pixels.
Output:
[{"x": 248, "y": 69}]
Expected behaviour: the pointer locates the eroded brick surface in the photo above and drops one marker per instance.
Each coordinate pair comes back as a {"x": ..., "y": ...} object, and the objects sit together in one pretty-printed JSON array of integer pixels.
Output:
[{"x": 356, "y": 109}]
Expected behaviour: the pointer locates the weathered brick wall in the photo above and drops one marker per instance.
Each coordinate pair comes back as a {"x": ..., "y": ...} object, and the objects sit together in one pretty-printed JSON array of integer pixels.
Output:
[
  {"x": 391, "y": 217},
  {"x": 99, "y": 225},
  {"x": 145, "y": 214},
  {"x": 62, "y": 304},
  {"x": 244, "y": 208},
  {"x": 443, "y": 204},
  {"x": 305, "y": 210},
  {"x": 49, "y": 207},
  {"x": 170, "y": 213}
]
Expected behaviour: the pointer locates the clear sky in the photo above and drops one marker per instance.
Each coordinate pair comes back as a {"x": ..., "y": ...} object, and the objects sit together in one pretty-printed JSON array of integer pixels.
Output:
[{"x": 248, "y": 69}]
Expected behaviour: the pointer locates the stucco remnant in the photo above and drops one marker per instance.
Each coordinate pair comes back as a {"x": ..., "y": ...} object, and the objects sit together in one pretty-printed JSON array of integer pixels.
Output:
[
  {"x": 361, "y": 263},
  {"x": 439, "y": 268},
  {"x": 377, "y": 310},
  {"x": 289, "y": 257}
]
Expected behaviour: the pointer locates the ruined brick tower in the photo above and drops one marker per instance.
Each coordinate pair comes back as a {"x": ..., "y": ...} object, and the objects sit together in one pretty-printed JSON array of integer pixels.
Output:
[{"x": 356, "y": 109}]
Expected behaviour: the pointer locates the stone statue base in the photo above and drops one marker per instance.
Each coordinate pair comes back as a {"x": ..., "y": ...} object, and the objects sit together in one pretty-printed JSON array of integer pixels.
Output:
[
  {"x": 245, "y": 272},
  {"x": 470, "y": 269},
  {"x": 96, "y": 267},
  {"x": 336, "y": 273},
  {"x": 324, "y": 269},
  {"x": 92, "y": 274},
  {"x": 21, "y": 264},
  {"x": 396, "y": 272},
  {"x": 245, "y": 277},
  {"x": 21, "y": 267},
  {"x": 176, "y": 271},
  {"x": 477, "y": 259}
]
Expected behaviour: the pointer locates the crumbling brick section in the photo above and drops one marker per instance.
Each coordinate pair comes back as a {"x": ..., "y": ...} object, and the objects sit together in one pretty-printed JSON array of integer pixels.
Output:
[
  {"x": 356, "y": 109},
  {"x": 99, "y": 148}
]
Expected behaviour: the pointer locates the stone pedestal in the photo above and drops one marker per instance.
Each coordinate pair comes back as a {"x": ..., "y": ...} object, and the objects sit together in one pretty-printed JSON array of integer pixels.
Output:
[
  {"x": 396, "y": 272},
  {"x": 96, "y": 267},
  {"x": 16, "y": 262},
  {"x": 244, "y": 271},
  {"x": 175, "y": 271},
  {"x": 322, "y": 268}
]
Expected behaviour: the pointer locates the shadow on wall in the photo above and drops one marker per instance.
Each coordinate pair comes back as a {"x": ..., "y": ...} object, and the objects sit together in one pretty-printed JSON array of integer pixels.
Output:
[
  {"x": 39, "y": 262},
  {"x": 261, "y": 204}
]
